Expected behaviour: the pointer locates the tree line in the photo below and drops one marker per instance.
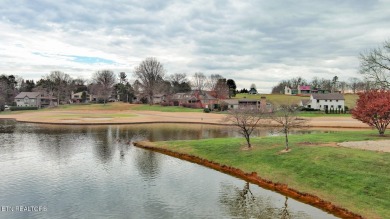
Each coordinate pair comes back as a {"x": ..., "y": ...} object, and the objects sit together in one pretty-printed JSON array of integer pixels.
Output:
[
  {"x": 374, "y": 67},
  {"x": 149, "y": 77},
  {"x": 353, "y": 84}
]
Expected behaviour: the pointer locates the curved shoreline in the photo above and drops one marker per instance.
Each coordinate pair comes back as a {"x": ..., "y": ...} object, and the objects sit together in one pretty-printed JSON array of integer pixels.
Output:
[
  {"x": 169, "y": 122},
  {"x": 118, "y": 117},
  {"x": 255, "y": 179}
]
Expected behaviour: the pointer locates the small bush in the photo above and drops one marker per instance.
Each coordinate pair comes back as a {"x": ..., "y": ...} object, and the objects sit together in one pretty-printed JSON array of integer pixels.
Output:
[
  {"x": 206, "y": 110},
  {"x": 165, "y": 104},
  {"x": 192, "y": 105},
  {"x": 17, "y": 108},
  {"x": 309, "y": 109}
]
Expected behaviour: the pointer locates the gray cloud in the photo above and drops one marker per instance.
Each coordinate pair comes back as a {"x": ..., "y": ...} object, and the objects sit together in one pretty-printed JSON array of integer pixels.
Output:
[{"x": 265, "y": 40}]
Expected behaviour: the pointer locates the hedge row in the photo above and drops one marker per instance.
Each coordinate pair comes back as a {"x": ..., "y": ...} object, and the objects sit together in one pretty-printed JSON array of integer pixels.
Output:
[{"x": 17, "y": 108}]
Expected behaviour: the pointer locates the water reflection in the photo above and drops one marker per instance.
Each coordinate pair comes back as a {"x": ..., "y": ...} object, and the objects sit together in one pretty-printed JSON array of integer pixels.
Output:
[
  {"x": 95, "y": 172},
  {"x": 242, "y": 203},
  {"x": 147, "y": 164}
]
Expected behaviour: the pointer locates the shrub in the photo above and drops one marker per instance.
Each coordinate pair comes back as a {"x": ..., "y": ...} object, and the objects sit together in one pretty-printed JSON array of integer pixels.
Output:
[
  {"x": 165, "y": 104},
  {"x": 17, "y": 108},
  {"x": 309, "y": 109},
  {"x": 206, "y": 110}
]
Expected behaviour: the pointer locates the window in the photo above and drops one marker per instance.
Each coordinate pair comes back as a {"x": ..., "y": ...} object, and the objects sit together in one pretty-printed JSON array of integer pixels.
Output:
[
  {"x": 339, "y": 106},
  {"x": 337, "y": 100},
  {"x": 318, "y": 101},
  {"x": 326, "y": 100},
  {"x": 26, "y": 100},
  {"x": 330, "y": 100}
]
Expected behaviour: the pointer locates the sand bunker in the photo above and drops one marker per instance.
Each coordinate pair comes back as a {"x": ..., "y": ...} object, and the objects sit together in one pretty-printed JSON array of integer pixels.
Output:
[
  {"x": 381, "y": 145},
  {"x": 97, "y": 119}
]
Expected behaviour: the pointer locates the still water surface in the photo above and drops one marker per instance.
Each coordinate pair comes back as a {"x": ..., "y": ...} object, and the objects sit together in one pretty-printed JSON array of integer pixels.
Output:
[{"x": 92, "y": 172}]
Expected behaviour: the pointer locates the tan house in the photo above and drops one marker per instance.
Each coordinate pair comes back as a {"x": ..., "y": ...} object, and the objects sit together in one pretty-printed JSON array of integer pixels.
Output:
[
  {"x": 34, "y": 99},
  {"x": 255, "y": 104},
  {"x": 77, "y": 97}
]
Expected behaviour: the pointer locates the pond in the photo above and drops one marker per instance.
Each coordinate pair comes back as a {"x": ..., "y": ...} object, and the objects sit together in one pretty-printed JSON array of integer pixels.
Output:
[{"x": 52, "y": 171}]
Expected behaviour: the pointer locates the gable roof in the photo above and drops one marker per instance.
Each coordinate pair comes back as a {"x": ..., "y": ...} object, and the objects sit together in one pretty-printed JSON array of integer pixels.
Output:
[
  {"x": 330, "y": 96},
  {"x": 305, "y": 102},
  {"x": 28, "y": 94},
  {"x": 304, "y": 87}
]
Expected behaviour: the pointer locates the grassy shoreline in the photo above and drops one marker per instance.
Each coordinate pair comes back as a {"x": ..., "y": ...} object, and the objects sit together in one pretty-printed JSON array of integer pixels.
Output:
[{"x": 350, "y": 178}]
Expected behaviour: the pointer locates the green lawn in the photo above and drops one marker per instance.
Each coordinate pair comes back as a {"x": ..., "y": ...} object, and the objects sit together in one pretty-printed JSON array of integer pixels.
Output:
[
  {"x": 351, "y": 178},
  {"x": 321, "y": 114}
]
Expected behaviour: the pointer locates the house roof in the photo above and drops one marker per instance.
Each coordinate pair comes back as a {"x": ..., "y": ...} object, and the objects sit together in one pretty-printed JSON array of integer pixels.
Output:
[
  {"x": 305, "y": 102},
  {"x": 330, "y": 96},
  {"x": 28, "y": 94},
  {"x": 304, "y": 87},
  {"x": 248, "y": 101},
  {"x": 231, "y": 101}
]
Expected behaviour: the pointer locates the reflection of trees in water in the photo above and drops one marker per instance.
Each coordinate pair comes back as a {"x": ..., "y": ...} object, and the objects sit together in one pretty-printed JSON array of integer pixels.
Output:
[
  {"x": 242, "y": 203},
  {"x": 147, "y": 163},
  {"x": 7, "y": 126},
  {"x": 103, "y": 145},
  {"x": 7, "y": 138}
]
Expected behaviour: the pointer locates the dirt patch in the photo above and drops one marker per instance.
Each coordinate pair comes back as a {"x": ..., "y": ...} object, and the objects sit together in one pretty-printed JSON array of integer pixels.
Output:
[
  {"x": 380, "y": 145},
  {"x": 329, "y": 144},
  {"x": 284, "y": 151}
]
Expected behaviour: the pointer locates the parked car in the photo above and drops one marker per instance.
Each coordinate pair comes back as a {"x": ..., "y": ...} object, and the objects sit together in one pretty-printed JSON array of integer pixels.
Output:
[{"x": 6, "y": 107}]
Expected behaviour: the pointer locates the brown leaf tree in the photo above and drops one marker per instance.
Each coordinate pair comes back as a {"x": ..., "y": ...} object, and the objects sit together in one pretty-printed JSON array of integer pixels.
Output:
[{"x": 373, "y": 108}]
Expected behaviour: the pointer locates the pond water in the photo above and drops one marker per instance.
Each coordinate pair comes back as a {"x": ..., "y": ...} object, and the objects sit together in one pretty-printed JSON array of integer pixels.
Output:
[{"x": 51, "y": 171}]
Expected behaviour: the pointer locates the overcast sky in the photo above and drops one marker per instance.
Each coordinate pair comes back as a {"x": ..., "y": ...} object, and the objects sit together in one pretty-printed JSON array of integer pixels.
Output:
[{"x": 260, "y": 42}]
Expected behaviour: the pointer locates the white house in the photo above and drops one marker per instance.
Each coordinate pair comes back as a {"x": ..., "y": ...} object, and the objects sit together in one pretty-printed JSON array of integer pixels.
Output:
[{"x": 326, "y": 101}]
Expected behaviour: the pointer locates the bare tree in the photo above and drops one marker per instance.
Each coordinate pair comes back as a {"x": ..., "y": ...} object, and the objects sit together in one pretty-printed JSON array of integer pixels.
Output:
[
  {"x": 326, "y": 84},
  {"x": 62, "y": 83},
  {"x": 354, "y": 84},
  {"x": 246, "y": 119},
  {"x": 315, "y": 83},
  {"x": 104, "y": 81},
  {"x": 375, "y": 65},
  {"x": 217, "y": 84},
  {"x": 199, "y": 81},
  {"x": 295, "y": 82},
  {"x": 343, "y": 86},
  {"x": 150, "y": 74},
  {"x": 212, "y": 81},
  {"x": 286, "y": 116}
]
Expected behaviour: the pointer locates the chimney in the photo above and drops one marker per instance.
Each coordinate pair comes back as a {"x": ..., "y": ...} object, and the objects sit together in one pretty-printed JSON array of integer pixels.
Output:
[{"x": 263, "y": 103}]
